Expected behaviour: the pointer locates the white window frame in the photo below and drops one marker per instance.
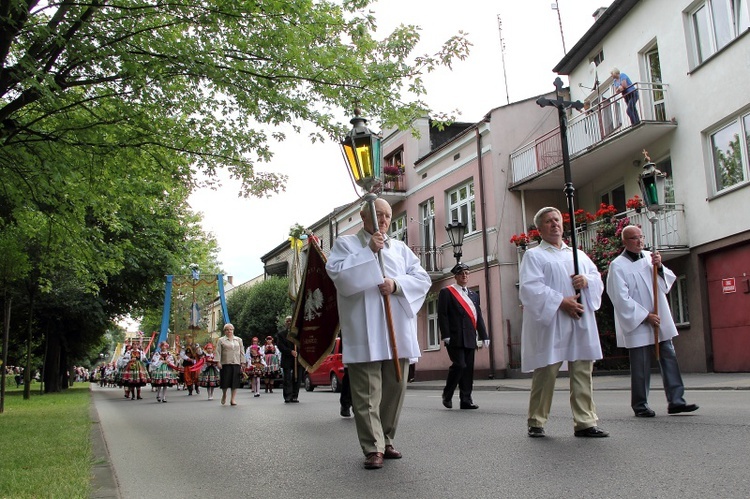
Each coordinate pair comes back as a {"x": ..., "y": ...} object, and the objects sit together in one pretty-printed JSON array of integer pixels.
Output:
[
  {"x": 433, "y": 330},
  {"x": 461, "y": 206},
  {"x": 718, "y": 28},
  {"x": 678, "y": 301},
  {"x": 398, "y": 228},
  {"x": 742, "y": 122}
]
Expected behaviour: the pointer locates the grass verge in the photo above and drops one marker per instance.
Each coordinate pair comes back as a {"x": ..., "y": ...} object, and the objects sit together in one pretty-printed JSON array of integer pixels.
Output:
[{"x": 45, "y": 444}]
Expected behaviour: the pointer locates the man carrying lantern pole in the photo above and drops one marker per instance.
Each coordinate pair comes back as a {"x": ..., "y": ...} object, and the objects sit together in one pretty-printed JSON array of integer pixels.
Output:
[{"x": 380, "y": 287}]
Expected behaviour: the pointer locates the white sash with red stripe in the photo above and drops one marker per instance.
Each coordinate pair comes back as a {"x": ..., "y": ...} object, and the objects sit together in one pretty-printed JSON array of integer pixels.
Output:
[{"x": 465, "y": 302}]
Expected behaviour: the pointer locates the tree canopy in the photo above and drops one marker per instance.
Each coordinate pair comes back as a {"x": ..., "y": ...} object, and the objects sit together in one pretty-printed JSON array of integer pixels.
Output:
[{"x": 112, "y": 112}]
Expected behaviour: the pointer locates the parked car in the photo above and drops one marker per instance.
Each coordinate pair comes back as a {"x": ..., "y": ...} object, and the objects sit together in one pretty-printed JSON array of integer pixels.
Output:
[{"x": 330, "y": 372}]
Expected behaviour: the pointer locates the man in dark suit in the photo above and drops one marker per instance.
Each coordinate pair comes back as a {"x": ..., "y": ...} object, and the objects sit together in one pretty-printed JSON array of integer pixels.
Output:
[
  {"x": 460, "y": 320},
  {"x": 289, "y": 363}
]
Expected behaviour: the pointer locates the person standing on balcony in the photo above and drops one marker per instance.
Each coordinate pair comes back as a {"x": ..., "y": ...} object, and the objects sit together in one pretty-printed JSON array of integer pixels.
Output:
[
  {"x": 460, "y": 321},
  {"x": 630, "y": 287},
  {"x": 377, "y": 394},
  {"x": 559, "y": 325},
  {"x": 622, "y": 85}
]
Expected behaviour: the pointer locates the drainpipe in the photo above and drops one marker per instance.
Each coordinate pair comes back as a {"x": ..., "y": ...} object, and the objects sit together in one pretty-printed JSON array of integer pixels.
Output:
[{"x": 488, "y": 301}]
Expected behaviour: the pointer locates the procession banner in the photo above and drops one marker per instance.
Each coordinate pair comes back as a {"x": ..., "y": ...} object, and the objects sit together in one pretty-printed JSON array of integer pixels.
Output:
[{"x": 315, "y": 323}]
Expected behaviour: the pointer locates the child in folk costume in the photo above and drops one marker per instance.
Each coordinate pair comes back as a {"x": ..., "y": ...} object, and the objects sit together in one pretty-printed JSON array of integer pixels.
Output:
[
  {"x": 163, "y": 371},
  {"x": 134, "y": 375},
  {"x": 209, "y": 376},
  {"x": 256, "y": 365},
  {"x": 271, "y": 356}
]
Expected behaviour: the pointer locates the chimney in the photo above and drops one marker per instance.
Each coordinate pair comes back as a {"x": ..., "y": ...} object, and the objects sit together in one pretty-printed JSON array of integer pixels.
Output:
[
  {"x": 230, "y": 279},
  {"x": 598, "y": 13}
]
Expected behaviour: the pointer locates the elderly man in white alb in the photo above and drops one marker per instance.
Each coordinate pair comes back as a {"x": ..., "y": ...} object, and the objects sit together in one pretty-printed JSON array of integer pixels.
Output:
[
  {"x": 557, "y": 327},
  {"x": 630, "y": 287},
  {"x": 353, "y": 266}
]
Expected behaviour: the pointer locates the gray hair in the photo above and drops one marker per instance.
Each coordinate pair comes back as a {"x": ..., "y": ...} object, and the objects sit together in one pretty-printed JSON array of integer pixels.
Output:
[
  {"x": 227, "y": 325},
  {"x": 544, "y": 211},
  {"x": 614, "y": 72}
]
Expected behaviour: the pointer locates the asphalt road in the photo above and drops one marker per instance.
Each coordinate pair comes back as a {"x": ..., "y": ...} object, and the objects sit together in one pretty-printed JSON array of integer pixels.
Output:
[{"x": 191, "y": 447}]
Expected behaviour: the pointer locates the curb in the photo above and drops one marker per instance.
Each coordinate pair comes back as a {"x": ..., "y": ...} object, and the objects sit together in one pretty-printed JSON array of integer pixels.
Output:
[{"x": 103, "y": 481}]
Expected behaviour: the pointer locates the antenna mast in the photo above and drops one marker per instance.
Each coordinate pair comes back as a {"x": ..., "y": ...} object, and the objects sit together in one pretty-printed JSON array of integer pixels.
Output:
[
  {"x": 556, "y": 6},
  {"x": 502, "y": 55}
]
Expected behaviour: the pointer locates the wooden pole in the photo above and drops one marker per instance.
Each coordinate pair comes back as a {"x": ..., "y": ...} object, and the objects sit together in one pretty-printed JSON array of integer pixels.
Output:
[
  {"x": 370, "y": 198},
  {"x": 655, "y": 284}
]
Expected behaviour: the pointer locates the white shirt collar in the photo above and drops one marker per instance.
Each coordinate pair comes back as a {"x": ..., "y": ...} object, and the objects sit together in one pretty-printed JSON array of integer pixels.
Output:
[{"x": 547, "y": 246}]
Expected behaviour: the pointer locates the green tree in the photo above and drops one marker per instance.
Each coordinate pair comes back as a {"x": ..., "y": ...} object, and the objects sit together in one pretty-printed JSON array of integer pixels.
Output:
[
  {"x": 110, "y": 114},
  {"x": 259, "y": 310}
]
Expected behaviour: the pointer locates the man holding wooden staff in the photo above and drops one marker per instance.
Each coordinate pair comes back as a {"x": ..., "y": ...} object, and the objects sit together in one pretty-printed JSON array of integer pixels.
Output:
[
  {"x": 631, "y": 289},
  {"x": 377, "y": 390}
]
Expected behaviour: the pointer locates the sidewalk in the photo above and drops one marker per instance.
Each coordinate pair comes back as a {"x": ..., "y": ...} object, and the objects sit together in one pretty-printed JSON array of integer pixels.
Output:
[{"x": 693, "y": 381}]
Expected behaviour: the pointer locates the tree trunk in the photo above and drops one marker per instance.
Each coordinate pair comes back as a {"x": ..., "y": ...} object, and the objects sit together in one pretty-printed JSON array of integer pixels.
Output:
[
  {"x": 6, "y": 331},
  {"x": 52, "y": 365},
  {"x": 29, "y": 331}
]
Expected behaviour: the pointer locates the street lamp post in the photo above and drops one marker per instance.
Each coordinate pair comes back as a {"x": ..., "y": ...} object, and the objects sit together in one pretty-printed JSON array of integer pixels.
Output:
[
  {"x": 569, "y": 190},
  {"x": 456, "y": 232},
  {"x": 361, "y": 150}
]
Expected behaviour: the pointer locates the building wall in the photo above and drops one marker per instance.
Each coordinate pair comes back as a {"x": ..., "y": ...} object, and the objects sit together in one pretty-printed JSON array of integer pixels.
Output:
[{"x": 700, "y": 99}]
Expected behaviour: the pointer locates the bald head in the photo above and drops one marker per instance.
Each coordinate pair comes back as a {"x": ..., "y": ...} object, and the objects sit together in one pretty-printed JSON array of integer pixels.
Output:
[{"x": 383, "y": 213}]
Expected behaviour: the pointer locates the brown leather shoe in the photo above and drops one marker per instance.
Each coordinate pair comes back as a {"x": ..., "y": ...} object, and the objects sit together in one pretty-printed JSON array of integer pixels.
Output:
[
  {"x": 391, "y": 453},
  {"x": 374, "y": 461}
]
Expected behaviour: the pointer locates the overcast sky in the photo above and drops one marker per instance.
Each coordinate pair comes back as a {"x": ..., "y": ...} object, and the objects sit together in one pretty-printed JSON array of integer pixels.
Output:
[{"x": 246, "y": 229}]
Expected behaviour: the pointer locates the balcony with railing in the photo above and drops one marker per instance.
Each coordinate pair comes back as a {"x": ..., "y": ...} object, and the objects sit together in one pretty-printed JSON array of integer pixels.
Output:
[
  {"x": 430, "y": 258},
  {"x": 601, "y": 135},
  {"x": 671, "y": 236}
]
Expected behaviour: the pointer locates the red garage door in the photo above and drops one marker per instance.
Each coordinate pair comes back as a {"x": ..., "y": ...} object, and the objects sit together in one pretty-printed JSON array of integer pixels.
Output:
[{"x": 728, "y": 275}]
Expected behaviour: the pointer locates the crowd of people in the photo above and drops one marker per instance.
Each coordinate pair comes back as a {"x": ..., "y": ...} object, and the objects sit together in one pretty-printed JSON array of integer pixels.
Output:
[
  {"x": 191, "y": 367},
  {"x": 380, "y": 283}
]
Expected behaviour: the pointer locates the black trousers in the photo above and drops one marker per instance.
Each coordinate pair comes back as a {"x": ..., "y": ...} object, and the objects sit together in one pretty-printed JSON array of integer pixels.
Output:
[
  {"x": 290, "y": 388},
  {"x": 460, "y": 373},
  {"x": 345, "y": 399}
]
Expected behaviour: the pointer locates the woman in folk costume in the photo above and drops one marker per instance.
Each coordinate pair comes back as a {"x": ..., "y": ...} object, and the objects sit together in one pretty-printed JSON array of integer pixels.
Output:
[
  {"x": 122, "y": 362},
  {"x": 163, "y": 371},
  {"x": 209, "y": 376},
  {"x": 134, "y": 375},
  {"x": 256, "y": 363},
  {"x": 271, "y": 356}
]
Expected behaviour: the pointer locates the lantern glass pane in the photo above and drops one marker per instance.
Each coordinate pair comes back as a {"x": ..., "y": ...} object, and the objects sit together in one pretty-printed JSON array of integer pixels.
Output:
[
  {"x": 364, "y": 157},
  {"x": 352, "y": 162}
]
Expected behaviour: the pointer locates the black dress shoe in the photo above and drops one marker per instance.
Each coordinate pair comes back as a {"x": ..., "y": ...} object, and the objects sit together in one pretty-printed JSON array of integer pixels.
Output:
[
  {"x": 645, "y": 413},
  {"x": 447, "y": 403},
  {"x": 592, "y": 432},
  {"x": 682, "y": 408},
  {"x": 470, "y": 405},
  {"x": 345, "y": 412},
  {"x": 536, "y": 432}
]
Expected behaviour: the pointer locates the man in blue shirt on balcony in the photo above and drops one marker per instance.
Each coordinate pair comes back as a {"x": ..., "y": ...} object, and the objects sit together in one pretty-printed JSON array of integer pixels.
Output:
[{"x": 621, "y": 84}]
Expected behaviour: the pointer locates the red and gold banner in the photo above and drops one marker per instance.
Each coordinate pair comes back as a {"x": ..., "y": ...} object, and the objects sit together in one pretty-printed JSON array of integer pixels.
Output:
[{"x": 315, "y": 324}]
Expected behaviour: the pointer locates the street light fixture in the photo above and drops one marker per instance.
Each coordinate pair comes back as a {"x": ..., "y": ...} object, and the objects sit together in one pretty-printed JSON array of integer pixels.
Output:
[
  {"x": 652, "y": 183},
  {"x": 456, "y": 232},
  {"x": 361, "y": 150}
]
